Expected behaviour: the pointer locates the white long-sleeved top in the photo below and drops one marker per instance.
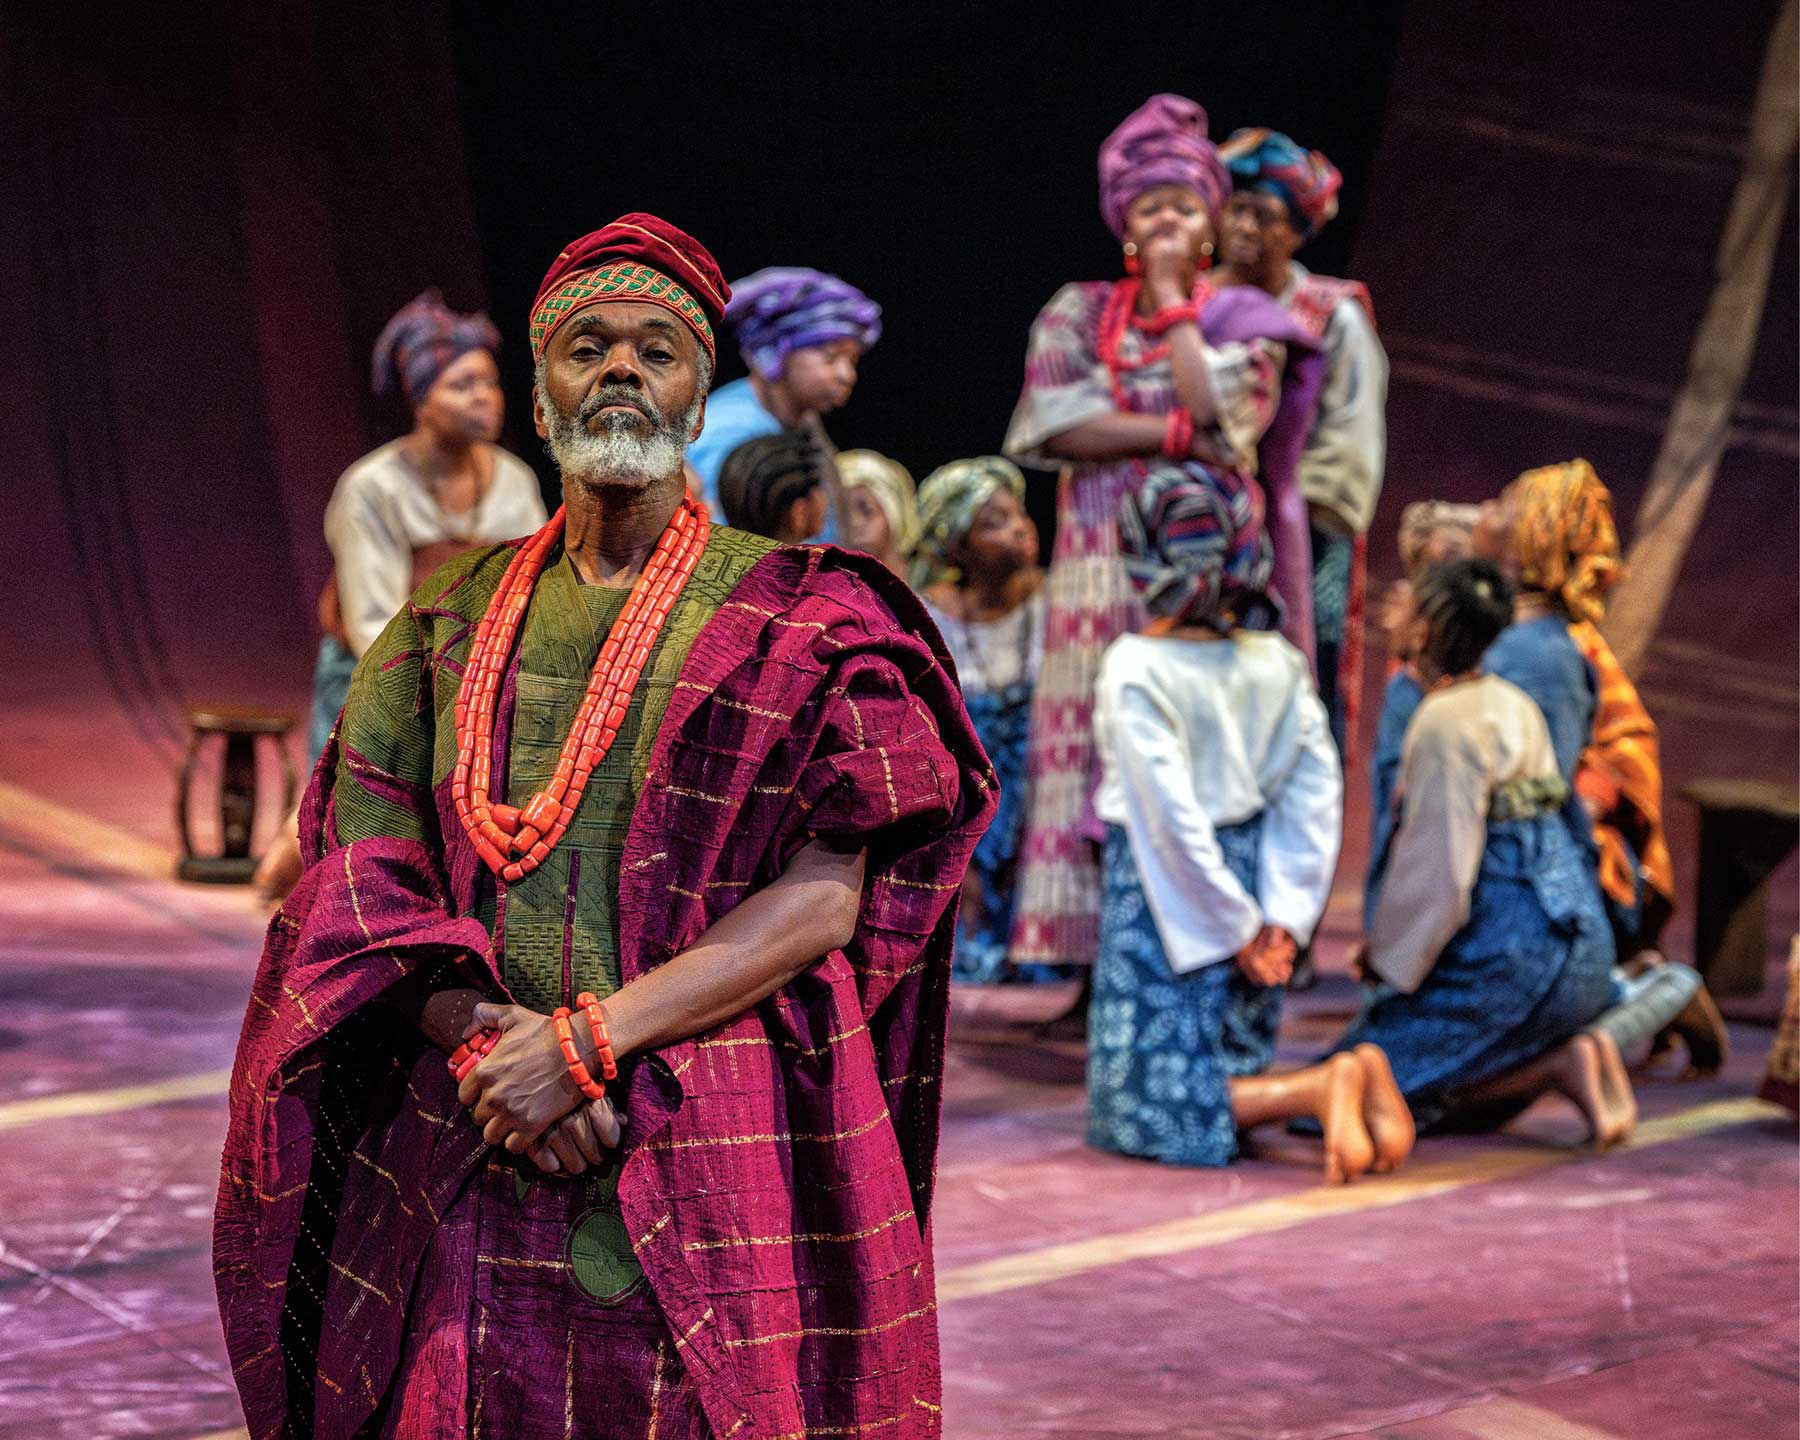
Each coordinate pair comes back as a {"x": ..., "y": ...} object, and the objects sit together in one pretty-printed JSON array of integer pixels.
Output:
[
  {"x": 381, "y": 512},
  {"x": 1463, "y": 744},
  {"x": 1346, "y": 451},
  {"x": 1198, "y": 734}
]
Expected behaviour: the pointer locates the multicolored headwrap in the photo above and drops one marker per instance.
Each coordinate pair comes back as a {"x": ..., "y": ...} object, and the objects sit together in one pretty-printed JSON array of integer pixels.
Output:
[
  {"x": 1425, "y": 520},
  {"x": 782, "y": 308},
  {"x": 422, "y": 341},
  {"x": 637, "y": 257},
  {"x": 1162, "y": 142},
  {"x": 1270, "y": 163},
  {"x": 951, "y": 498},
  {"x": 1566, "y": 541},
  {"x": 892, "y": 486},
  {"x": 1197, "y": 551}
]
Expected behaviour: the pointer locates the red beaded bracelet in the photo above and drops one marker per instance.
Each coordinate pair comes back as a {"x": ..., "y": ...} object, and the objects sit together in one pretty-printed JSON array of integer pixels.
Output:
[
  {"x": 603, "y": 1050},
  {"x": 1169, "y": 315},
  {"x": 470, "y": 1053},
  {"x": 1178, "y": 434},
  {"x": 565, "y": 1037}
]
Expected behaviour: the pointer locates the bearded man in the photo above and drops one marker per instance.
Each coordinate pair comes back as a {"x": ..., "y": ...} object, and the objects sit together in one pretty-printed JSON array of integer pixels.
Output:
[{"x": 654, "y": 830}]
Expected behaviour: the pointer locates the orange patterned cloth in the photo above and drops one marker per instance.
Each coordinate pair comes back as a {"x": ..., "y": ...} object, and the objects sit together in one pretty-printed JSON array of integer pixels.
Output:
[
  {"x": 1567, "y": 543},
  {"x": 1620, "y": 776}
]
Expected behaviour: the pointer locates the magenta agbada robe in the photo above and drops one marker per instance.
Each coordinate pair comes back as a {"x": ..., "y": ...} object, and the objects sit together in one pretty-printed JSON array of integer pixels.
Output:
[{"x": 777, "y": 1172}]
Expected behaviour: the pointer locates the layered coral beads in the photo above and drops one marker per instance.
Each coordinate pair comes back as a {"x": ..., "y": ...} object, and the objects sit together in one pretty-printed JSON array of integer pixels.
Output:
[{"x": 511, "y": 841}]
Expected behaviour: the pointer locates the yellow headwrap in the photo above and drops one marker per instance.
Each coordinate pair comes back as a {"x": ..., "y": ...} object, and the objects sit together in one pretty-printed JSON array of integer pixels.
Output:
[
  {"x": 892, "y": 486},
  {"x": 1567, "y": 543}
]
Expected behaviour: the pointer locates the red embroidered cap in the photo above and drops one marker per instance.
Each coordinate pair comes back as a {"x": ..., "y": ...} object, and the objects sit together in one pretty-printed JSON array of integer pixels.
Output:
[{"x": 636, "y": 257}]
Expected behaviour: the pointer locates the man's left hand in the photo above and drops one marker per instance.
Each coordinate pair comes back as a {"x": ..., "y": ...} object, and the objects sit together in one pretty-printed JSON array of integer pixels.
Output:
[{"x": 581, "y": 1138}]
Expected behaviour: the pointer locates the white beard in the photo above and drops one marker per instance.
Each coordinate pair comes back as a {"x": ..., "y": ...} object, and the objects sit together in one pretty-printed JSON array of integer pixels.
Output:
[{"x": 615, "y": 456}]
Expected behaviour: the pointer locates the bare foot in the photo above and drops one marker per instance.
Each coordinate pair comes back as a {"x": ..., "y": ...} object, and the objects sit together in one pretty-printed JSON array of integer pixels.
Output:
[
  {"x": 1621, "y": 1103},
  {"x": 280, "y": 870},
  {"x": 1578, "y": 1068},
  {"x": 1385, "y": 1111},
  {"x": 1349, "y": 1150},
  {"x": 1702, "y": 1030},
  {"x": 1574, "y": 1070},
  {"x": 1642, "y": 961}
]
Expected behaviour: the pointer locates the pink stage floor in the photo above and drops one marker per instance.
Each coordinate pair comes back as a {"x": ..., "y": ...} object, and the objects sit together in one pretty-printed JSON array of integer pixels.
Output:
[{"x": 1506, "y": 1286}]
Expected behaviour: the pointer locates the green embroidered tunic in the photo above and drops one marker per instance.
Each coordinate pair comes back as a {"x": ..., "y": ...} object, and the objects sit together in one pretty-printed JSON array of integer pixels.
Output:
[{"x": 561, "y": 922}]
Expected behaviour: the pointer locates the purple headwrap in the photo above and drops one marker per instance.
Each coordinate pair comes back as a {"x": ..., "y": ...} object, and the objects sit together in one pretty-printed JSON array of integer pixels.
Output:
[
  {"x": 1162, "y": 142},
  {"x": 1304, "y": 180},
  {"x": 423, "y": 340},
  {"x": 783, "y": 308}
]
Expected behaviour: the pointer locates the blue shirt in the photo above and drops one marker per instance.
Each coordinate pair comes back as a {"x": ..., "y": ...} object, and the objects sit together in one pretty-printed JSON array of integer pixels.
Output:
[
  {"x": 1541, "y": 658},
  {"x": 1398, "y": 703},
  {"x": 733, "y": 415}
]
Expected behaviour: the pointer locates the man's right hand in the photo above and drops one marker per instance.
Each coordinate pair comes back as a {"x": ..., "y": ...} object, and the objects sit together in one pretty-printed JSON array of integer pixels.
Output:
[{"x": 581, "y": 1138}]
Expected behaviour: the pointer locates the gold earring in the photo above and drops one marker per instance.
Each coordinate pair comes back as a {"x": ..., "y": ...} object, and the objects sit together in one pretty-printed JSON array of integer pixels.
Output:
[
  {"x": 1130, "y": 248},
  {"x": 1206, "y": 247}
]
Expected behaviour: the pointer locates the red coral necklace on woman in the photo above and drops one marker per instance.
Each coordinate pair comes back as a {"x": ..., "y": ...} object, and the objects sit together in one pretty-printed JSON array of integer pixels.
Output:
[
  {"x": 1121, "y": 307},
  {"x": 514, "y": 840}
]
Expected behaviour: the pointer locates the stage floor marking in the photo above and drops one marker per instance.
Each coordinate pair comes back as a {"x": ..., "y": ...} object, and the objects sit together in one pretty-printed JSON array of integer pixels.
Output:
[
  {"x": 1497, "y": 1420},
  {"x": 78, "y": 1104},
  {"x": 1263, "y": 1217},
  {"x": 1519, "y": 1420},
  {"x": 56, "y": 832}
]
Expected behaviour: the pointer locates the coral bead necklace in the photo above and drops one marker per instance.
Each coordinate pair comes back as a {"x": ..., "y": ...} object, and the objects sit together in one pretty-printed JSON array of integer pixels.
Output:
[{"x": 514, "y": 841}]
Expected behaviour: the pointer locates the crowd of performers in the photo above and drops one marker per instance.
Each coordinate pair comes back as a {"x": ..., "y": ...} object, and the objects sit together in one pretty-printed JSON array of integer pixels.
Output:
[{"x": 591, "y": 1080}]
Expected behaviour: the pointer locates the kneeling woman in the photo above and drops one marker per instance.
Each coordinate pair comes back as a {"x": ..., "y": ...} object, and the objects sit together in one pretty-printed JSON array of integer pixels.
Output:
[
  {"x": 1488, "y": 935},
  {"x": 988, "y": 601},
  {"x": 1222, "y": 802}
]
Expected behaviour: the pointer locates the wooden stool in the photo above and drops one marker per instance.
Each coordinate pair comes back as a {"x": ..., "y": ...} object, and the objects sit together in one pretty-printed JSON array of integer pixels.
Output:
[
  {"x": 1747, "y": 828},
  {"x": 234, "y": 865}
]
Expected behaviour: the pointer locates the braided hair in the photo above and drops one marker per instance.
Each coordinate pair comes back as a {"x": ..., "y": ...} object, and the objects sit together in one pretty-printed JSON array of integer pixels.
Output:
[
  {"x": 763, "y": 478},
  {"x": 1465, "y": 605}
]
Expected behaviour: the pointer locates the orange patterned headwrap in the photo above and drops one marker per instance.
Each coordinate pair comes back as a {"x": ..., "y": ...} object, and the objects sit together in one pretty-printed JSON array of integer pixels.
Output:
[{"x": 1567, "y": 543}]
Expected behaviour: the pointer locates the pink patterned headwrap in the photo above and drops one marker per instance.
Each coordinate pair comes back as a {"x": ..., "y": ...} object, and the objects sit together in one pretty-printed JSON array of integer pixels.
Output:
[{"x": 1162, "y": 142}]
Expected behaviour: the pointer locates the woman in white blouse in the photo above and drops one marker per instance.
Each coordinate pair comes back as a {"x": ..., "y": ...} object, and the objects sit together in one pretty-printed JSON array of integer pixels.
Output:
[
  {"x": 442, "y": 488},
  {"x": 1222, "y": 803},
  {"x": 1486, "y": 931},
  {"x": 409, "y": 506}
]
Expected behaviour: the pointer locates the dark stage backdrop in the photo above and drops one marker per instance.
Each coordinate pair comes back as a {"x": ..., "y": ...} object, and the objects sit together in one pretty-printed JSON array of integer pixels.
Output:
[
  {"x": 207, "y": 211},
  {"x": 940, "y": 156},
  {"x": 210, "y": 206}
]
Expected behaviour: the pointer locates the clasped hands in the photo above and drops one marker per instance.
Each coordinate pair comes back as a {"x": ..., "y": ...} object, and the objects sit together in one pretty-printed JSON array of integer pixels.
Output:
[
  {"x": 523, "y": 1097},
  {"x": 1268, "y": 959}
]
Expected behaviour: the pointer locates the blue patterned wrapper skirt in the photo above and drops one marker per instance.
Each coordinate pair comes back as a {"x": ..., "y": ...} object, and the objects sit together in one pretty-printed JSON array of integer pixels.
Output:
[
  {"x": 1002, "y": 722},
  {"x": 1530, "y": 967},
  {"x": 1162, "y": 1045}
]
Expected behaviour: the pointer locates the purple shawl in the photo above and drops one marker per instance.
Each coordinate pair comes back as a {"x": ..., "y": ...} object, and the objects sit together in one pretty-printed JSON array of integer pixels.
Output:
[
  {"x": 777, "y": 1172},
  {"x": 1243, "y": 313}
]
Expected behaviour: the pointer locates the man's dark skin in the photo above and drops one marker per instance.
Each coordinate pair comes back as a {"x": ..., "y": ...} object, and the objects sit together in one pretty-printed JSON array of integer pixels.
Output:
[{"x": 521, "y": 1093}]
